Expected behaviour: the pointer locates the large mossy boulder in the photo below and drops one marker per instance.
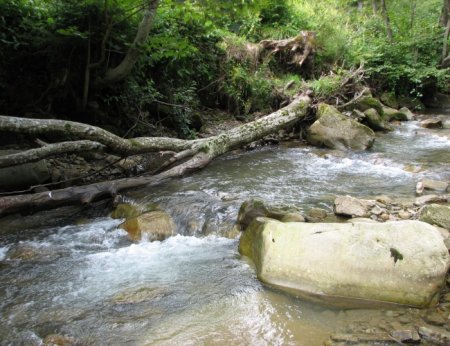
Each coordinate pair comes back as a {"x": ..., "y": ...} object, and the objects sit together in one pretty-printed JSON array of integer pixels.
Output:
[
  {"x": 367, "y": 102},
  {"x": 391, "y": 114},
  {"x": 154, "y": 225},
  {"x": 402, "y": 262},
  {"x": 334, "y": 130},
  {"x": 373, "y": 120},
  {"x": 436, "y": 214}
]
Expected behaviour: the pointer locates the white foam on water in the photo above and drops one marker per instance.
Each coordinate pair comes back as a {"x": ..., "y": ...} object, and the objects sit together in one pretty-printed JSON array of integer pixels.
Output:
[{"x": 3, "y": 252}]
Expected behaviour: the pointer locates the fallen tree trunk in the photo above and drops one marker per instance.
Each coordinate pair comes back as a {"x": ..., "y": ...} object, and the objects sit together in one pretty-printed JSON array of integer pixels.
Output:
[{"x": 198, "y": 154}]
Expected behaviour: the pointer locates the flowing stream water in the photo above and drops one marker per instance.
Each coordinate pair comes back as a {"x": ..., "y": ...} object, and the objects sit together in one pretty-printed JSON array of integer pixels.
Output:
[{"x": 88, "y": 281}]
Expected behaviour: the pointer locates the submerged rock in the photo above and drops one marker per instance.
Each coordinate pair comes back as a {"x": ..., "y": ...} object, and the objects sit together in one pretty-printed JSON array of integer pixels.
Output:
[
  {"x": 436, "y": 214},
  {"x": 433, "y": 123},
  {"x": 402, "y": 262},
  {"x": 155, "y": 225},
  {"x": 334, "y": 130},
  {"x": 429, "y": 184}
]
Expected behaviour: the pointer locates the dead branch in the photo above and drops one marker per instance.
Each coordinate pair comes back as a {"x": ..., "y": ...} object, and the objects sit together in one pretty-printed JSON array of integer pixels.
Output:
[{"x": 201, "y": 152}]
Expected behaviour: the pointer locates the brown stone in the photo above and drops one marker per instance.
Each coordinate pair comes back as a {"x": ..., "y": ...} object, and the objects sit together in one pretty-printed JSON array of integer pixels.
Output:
[{"x": 155, "y": 225}]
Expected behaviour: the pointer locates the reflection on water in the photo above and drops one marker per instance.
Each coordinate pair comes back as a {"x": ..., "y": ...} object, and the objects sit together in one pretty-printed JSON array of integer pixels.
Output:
[{"x": 88, "y": 281}]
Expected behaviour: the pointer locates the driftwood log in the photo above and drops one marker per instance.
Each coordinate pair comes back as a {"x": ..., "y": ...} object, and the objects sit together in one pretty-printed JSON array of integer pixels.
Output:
[{"x": 188, "y": 155}]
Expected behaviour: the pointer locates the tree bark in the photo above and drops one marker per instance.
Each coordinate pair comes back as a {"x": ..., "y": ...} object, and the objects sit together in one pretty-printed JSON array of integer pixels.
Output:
[
  {"x": 197, "y": 152},
  {"x": 444, "y": 13},
  {"x": 387, "y": 21},
  {"x": 375, "y": 6},
  {"x": 122, "y": 70},
  {"x": 445, "y": 43}
]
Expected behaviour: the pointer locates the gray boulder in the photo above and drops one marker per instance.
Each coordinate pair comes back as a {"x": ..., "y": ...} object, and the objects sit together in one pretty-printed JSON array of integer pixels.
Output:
[
  {"x": 402, "y": 262},
  {"x": 436, "y": 214},
  {"x": 353, "y": 207},
  {"x": 22, "y": 176},
  {"x": 334, "y": 130}
]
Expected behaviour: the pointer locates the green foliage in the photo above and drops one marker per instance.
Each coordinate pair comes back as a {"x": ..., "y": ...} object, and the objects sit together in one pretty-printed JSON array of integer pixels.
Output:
[
  {"x": 198, "y": 55},
  {"x": 326, "y": 86}
]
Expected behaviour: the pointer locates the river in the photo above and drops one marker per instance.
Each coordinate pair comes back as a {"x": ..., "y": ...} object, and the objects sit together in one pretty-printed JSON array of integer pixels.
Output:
[{"x": 86, "y": 280}]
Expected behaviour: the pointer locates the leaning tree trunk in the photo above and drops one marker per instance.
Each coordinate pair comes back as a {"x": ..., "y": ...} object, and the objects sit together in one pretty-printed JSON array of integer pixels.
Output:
[
  {"x": 122, "y": 70},
  {"x": 188, "y": 155}
]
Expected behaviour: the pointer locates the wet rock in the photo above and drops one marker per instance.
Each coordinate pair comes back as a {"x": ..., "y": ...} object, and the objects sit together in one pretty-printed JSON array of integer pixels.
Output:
[
  {"x": 407, "y": 112},
  {"x": 359, "y": 339},
  {"x": 250, "y": 210},
  {"x": 428, "y": 199},
  {"x": 353, "y": 207},
  {"x": 433, "y": 123},
  {"x": 391, "y": 114},
  {"x": 375, "y": 121},
  {"x": 254, "y": 208},
  {"x": 436, "y": 214},
  {"x": 367, "y": 102},
  {"x": 139, "y": 295},
  {"x": 155, "y": 225},
  {"x": 129, "y": 210},
  {"x": 436, "y": 335},
  {"x": 406, "y": 335},
  {"x": 60, "y": 340},
  {"x": 334, "y": 130},
  {"x": 316, "y": 214},
  {"x": 429, "y": 184},
  {"x": 292, "y": 217},
  {"x": 358, "y": 115},
  {"x": 402, "y": 262}
]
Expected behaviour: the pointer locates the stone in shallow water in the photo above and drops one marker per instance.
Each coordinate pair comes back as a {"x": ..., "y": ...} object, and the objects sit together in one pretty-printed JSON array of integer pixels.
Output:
[
  {"x": 155, "y": 225},
  {"x": 402, "y": 262},
  {"x": 353, "y": 207}
]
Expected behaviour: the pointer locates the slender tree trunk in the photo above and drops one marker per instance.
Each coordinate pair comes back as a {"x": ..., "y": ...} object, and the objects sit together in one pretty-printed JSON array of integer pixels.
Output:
[
  {"x": 375, "y": 7},
  {"x": 190, "y": 156},
  {"x": 360, "y": 5},
  {"x": 387, "y": 21},
  {"x": 444, "y": 13},
  {"x": 445, "y": 44},
  {"x": 121, "y": 71},
  {"x": 87, "y": 73}
]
